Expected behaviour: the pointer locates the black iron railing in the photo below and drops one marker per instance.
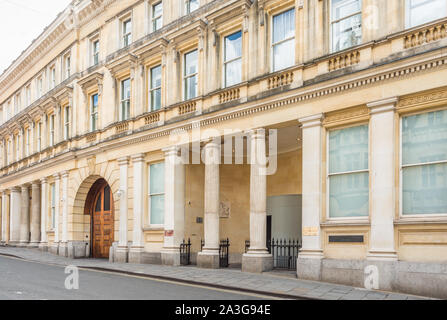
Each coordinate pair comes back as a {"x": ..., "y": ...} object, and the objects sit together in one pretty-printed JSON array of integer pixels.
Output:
[
  {"x": 284, "y": 251},
  {"x": 185, "y": 253},
  {"x": 223, "y": 253}
]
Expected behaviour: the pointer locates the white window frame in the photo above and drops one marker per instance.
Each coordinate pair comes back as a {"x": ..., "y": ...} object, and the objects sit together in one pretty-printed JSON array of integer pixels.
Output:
[
  {"x": 226, "y": 62},
  {"x": 52, "y": 77},
  {"x": 27, "y": 141},
  {"x": 272, "y": 44},
  {"x": 39, "y": 136},
  {"x": 153, "y": 89},
  {"x": 187, "y": 7},
  {"x": 95, "y": 54},
  {"x": 150, "y": 195},
  {"x": 408, "y": 14},
  {"x": 332, "y": 22},
  {"x": 186, "y": 77},
  {"x": 401, "y": 169},
  {"x": 126, "y": 37},
  {"x": 154, "y": 19},
  {"x": 94, "y": 116},
  {"x": 52, "y": 130},
  {"x": 328, "y": 175},
  {"x": 124, "y": 112},
  {"x": 66, "y": 122}
]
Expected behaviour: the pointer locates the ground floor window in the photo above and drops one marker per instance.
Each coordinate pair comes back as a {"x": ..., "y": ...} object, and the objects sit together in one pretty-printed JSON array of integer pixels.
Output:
[
  {"x": 156, "y": 195},
  {"x": 424, "y": 163},
  {"x": 348, "y": 172}
]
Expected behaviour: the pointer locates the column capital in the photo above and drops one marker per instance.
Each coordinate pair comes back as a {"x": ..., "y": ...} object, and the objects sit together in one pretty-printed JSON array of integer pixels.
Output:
[
  {"x": 35, "y": 184},
  {"x": 56, "y": 176},
  {"x": 25, "y": 186},
  {"x": 138, "y": 157},
  {"x": 312, "y": 121},
  {"x": 44, "y": 180},
  {"x": 16, "y": 189},
  {"x": 64, "y": 174},
  {"x": 258, "y": 133},
  {"x": 172, "y": 150},
  {"x": 124, "y": 161},
  {"x": 384, "y": 105},
  {"x": 211, "y": 143}
]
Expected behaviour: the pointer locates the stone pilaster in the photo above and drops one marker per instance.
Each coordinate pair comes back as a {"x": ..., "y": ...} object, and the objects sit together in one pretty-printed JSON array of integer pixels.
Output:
[
  {"x": 4, "y": 230},
  {"x": 54, "y": 248},
  {"x": 15, "y": 208},
  {"x": 311, "y": 253},
  {"x": 382, "y": 252},
  {"x": 63, "y": 245},
  {"x": 35, "y": 215},
  {"x": 258, "y": 259},
  {"x": 137, "y": 248},
  {"x": 209, "y": 257},
  {"x": 174, "y": 206},
  {"x": 25, "y": 216},
  {"x": 43, "y": 245},
  {"x": 122, "y": 251}
]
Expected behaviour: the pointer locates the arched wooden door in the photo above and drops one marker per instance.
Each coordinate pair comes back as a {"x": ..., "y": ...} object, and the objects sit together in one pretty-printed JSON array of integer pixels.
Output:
[{"x": 102, "y": 222}]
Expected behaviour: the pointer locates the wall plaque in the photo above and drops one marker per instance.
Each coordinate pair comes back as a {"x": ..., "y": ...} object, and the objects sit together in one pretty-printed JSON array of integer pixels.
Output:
[
  {"x": 310, "y": 231},
  {"x": 346, "y": 238}
]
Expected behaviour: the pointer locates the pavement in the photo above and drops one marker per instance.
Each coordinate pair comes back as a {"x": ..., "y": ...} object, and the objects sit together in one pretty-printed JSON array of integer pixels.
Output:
[{"x": 274, "y": 284}]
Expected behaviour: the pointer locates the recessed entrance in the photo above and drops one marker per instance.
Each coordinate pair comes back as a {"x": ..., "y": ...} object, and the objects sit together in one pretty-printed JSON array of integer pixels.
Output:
[{"x": 100, "y": 207}]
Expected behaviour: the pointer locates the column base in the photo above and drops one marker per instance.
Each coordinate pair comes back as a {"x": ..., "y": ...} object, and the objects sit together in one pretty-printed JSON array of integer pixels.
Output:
[
  {"x": 208, "y": 259},
  {"x": 23, "y": 244},
  {"x": 257, "y": 262},
  {"x": 43, "y": 246},
  {"x": 34, "y": 244},
  {"x": 121, "y": 255},
  {"x": 63, "y": 249},
  {"x": 170, "y": 257},
  {"x": 77, "y": 249},
  {"x": 309, "y": 265},
  {"x": 54, "y": 248},
  {"x": 14, "y": 243},
  {"x": 136, "y": 255}
]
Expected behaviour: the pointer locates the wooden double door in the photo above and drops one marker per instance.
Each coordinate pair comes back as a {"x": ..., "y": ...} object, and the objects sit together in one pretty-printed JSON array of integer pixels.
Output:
[{"x": 102, "y": 221}]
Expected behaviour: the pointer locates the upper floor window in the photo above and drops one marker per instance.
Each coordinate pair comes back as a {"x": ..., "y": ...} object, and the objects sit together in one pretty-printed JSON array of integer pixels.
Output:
[
  {"x": 125, "y": 100},
  {"x": 94, "y": 112},
  {"x": 233, "y": 59},
  {"x": 27, "y": 141},
  {"x": 156, "y": 194},
  {"x": 17, "y": 104},
  {"x": 8, "y": 110},
  {"x": 423, "y": 11},
  {"x": 191, "y": 5},
  {"x": 52, "y": 127},
  {"x": 190, "y": 72},
  {"x": 67, "y": 65},
  {"x": 283, "y": 40},
  {"x": 155, "y": 90},
  {"x": 28, "y": 95},
  {"x": 348, "y": 172},
  {"x": 39, "y": 87},
  {"x": 95, "y": 52},
  {"x": 8, "y": 153},
  {"x": 346, "y": 22},
  {"x": 17, "y": 148},
  {"x": 127, "y": 32},
  {"x": 66, "y": 122},
  {"x": 39, "y": 136},
  {"x": 424, "y": 163},
  {"x": 52, "y": 77},
  {"x": 157, "y": 16}
]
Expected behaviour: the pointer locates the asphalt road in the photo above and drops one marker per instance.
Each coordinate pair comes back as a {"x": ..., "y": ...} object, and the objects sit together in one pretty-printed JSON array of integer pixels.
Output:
[{"x": 23, "y": 280}]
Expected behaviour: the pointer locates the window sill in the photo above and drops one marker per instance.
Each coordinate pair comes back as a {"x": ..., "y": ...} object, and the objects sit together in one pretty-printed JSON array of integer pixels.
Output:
[
  {"x": 441, "y": 219},
  {"x": 154, "y": 228},
  {"x": 346, "y": 222}
]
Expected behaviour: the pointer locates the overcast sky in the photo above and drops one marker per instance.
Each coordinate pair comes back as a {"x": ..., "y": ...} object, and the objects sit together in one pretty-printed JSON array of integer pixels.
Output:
[{"x": 21, "y": 21}]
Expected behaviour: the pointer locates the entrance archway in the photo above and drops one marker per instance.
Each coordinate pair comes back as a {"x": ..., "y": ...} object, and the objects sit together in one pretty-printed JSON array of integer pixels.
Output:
[{"x": 99, "y": 205}]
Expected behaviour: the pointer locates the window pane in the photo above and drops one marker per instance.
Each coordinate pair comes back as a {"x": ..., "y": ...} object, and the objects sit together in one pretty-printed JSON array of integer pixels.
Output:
[
  {"x": 233, "y": 73},
  {"x": 344, "y": 8},
  {"x": 157, "y": 178},
  {"x": 349, "y": 195},
  {"x": 284, "y": 26},
  {"x": 156, "y": 99},
  {"x": 348, "y": 149},
  {"x": 157, "y": 9},
  {"x": 107, "y": 198},
  {"x": 284, "y": 55},
  {"x": 191, "y": 87},
  {"x": 98, "y": 204},
  {"x": 125, "y": 89},
  {"x": 191, "y": 63},
  {"x": 156, "y": 77},
  {"x": 233, "y": 46},
  {"x": 347, "y": 33},
  {"x": 423, "y": 11},
  {"x": 425, "y": 189},
  {"x": 424, "y": 138},
  {"x": 191, "y": 5},
  {"x": 157, "y": 209}
]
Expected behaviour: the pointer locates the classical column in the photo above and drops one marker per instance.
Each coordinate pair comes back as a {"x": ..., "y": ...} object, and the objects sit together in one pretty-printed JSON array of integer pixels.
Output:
[
  {"x": 122, "y": 251},
  {"x": 24, "y": 216},
  {"x": 382, "y": 155},
  {"x": 174, "y": 218},
  {"x": 137, "y": 249},
  {"x": 209, "y": 257},
  {"x": 35, "y": 214},
  {"x": 15, "y": 208},
  {"x": 311, "y": 253},
  {"x": 5, "y": 217},
  {"x": 54, "y": 248},
  {"x": 43, "y": 215},
  {"x": 258, "y": 259},
  {"x": 63, "y": 246}
]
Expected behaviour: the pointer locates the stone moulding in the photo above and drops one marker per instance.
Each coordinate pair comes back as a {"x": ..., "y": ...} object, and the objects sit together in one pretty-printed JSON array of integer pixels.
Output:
[
  {"x": 280, "y": 80},
  {"x": 426, "y": 35},
  {"x": 344, "y": 60},
  {"x": 229, "y": 95}
]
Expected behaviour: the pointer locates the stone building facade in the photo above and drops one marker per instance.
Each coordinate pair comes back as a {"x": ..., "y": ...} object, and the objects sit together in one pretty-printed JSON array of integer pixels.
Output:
[{"x": 129, "y": 126}]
